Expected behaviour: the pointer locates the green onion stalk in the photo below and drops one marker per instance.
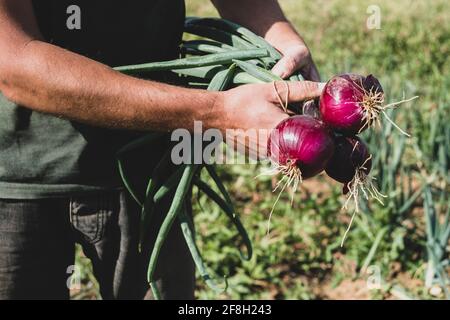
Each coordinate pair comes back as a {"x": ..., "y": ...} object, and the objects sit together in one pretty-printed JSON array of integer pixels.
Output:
[{"x": 226, "y": 55}]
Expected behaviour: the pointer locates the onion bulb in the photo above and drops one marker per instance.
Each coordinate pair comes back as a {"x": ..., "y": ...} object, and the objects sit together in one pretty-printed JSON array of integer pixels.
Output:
[
  {"x": 351, "y": 103},
  {"x": 300, "y": 147},
  {"x": 351, "y": 164}
]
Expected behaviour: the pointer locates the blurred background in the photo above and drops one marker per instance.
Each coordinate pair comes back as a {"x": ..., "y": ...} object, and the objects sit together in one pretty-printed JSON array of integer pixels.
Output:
[{"x": 396, "y": 251}]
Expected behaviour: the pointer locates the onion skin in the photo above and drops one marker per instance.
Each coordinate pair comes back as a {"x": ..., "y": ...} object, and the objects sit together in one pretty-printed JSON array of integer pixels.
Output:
[
  {"x": 350, "y": 154},
  {"x": 343, "y": 101},
  {"x": 310, "y": 108},
  {"x": 303, "y": 141}
]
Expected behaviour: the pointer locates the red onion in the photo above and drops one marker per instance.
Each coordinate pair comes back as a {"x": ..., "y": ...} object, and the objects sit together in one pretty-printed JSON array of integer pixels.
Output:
[
  {"x": 350, "y": 155},
  {"x": 351, "y": 103},
  {"x": 301, "y": 147},
  {"x": 351, "y": 164}
]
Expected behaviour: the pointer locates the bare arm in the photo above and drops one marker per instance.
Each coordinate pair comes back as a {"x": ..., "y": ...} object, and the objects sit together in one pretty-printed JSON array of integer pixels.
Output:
[
  {"x": 268, "y": 20},
  {"x": 50, "y": 79}
]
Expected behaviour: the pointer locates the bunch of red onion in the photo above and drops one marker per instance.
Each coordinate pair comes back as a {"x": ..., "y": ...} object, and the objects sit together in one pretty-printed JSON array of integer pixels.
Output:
[
  {"x": 325, "y": 138},
  {"x": 304, "y": 146}
]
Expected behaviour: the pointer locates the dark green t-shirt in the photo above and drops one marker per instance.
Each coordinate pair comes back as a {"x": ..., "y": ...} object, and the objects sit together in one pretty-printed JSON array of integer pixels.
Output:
[{"x": 45, "y": 156}]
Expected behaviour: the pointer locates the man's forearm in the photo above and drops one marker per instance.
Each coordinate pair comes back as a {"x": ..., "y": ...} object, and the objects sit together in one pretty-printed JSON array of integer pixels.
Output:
[
  {"x": 264, "y": 17},
  {"x": 52, "y": 80}
]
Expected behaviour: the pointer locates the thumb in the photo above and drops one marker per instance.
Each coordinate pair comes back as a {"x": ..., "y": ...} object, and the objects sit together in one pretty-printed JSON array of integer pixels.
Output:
[
  {"x": 297, "y": 90},
  {"x": 285, "y": 67}
]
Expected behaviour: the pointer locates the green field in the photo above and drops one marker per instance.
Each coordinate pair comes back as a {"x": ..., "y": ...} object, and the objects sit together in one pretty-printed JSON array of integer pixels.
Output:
[{"x": 403, "y": 245}]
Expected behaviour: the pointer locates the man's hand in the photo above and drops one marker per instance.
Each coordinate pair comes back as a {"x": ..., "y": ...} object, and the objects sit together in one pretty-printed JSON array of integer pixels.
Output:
[
  {"x": 267, "y": 19},
  {"x": 297, "y": 57},
  {"x": 257, "y": 108}
]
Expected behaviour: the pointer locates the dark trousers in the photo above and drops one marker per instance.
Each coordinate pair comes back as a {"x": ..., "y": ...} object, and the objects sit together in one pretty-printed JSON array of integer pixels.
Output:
[{"x": 37, "y": 239}]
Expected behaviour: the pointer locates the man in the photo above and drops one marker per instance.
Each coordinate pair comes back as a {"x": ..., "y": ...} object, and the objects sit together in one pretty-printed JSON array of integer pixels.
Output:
[{"x": 64, "y": 112}]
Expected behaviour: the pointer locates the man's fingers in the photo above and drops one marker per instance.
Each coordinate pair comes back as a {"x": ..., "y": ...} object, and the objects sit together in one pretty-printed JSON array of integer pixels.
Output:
[
  {"x": 285, "y": 67},
  {"x": 288, "y": 66},
  {"x": 298, "y": 90},
  {"x": 304, "y": 90}
]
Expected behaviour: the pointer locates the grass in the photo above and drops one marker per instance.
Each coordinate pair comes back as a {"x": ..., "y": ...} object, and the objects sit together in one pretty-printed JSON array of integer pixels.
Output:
[{"x": 400, "y": 249}]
